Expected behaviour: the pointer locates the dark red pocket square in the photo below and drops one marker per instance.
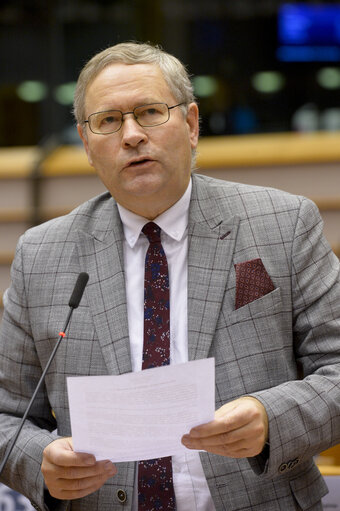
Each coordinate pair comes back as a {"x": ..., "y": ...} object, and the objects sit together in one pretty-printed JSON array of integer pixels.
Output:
[{"x": 252, "y": 282}]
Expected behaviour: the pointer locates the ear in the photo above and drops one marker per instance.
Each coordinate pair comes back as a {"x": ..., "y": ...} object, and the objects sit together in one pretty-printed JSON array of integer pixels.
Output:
[
  {"x": 193, "y": 124},
  {"x": 83, "y": 137}
]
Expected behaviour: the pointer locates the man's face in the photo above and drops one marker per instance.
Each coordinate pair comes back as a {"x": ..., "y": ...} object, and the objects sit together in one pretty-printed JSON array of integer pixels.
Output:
[{"x": 146, "y": 170}]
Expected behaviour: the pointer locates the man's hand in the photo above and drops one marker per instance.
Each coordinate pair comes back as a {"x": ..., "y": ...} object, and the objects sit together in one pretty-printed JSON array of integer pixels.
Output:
[
  {"x": 69, "y": 475},
  {"x": 239, "y": 430}
]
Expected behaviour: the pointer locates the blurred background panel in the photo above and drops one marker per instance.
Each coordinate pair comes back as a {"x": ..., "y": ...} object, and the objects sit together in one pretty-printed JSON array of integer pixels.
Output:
[{"x": 259, "y": 67}]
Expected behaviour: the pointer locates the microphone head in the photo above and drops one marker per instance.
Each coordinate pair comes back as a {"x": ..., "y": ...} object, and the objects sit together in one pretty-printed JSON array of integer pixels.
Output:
[{"x": 78, "y": 290}]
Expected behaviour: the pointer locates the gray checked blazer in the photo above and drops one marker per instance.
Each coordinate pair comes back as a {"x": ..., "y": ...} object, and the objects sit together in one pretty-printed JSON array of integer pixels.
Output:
[{"x": 283, "y": 348}]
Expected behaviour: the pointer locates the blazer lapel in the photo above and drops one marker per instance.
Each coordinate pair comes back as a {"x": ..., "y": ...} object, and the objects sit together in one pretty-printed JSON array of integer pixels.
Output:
[
  {"x": 211, "y": 246},
  {"x": 101, "y": 255}
]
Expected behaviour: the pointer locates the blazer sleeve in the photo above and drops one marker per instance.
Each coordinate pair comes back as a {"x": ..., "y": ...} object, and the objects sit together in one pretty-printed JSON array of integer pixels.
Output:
[
  {"x": 20, "y": 371},
  {"x": 304, "y": 415}
]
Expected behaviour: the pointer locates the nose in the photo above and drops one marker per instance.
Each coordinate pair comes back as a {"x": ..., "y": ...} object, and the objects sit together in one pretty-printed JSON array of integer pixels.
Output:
[{"x": 132, "y": 133}]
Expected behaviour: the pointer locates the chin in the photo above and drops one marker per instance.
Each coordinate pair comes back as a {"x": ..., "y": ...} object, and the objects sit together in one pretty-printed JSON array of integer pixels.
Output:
[{"x": 145, "y": 185}]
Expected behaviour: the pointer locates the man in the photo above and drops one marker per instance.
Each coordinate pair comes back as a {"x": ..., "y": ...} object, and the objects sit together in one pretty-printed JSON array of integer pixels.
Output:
[{"x": 253, "y": 283}]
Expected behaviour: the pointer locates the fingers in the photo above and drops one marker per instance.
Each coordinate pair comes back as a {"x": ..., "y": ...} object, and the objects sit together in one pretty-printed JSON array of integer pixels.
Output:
[
  {"x": 61, "y": 453},
  {"x": 82, "y": 484},
  {"x": 228, "y": 418},
  {"x": 69, "y": 475},
  {"x": 240, "y": 429}
]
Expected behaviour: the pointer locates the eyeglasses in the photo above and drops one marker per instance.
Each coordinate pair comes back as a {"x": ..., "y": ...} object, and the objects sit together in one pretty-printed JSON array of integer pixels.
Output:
[{"x": 110, "y": 121}]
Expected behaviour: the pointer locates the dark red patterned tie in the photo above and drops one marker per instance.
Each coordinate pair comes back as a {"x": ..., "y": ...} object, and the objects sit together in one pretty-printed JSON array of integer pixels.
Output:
[{"x": 155, "y": 484}]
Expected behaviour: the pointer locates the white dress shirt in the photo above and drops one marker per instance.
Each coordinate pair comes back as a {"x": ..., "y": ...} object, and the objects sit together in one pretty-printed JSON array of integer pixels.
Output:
[{"x": 190, "y": 485}]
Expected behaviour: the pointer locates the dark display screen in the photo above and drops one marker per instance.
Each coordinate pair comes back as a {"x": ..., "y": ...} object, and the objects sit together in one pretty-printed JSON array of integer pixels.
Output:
[{"x": 309, "y": 32}]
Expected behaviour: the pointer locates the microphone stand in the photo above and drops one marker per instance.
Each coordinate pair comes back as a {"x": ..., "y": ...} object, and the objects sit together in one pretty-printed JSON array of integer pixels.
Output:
[{"x": 73, "y": 303}]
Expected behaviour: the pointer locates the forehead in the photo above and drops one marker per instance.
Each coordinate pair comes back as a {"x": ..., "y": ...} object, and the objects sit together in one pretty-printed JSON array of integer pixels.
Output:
[{"x": 125, "y": 85}]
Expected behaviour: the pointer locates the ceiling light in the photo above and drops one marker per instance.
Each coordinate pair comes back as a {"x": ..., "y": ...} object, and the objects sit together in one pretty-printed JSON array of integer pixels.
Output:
[
  {"x": 268, "y": 82},
  {"x": 32, "y": 91}
]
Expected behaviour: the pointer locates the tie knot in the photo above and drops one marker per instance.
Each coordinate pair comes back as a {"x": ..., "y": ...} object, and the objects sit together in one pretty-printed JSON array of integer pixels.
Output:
[{"x": 153, "y": 232}]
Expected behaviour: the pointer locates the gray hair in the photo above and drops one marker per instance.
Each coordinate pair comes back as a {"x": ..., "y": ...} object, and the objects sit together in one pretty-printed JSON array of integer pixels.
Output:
[{"x": 174, "y": 72}]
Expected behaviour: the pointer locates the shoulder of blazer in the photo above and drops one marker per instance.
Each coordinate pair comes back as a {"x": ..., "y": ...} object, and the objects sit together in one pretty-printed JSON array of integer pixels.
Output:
[
  {"x": 243, "y": 199},
  {"x": 83, "y": 218}
]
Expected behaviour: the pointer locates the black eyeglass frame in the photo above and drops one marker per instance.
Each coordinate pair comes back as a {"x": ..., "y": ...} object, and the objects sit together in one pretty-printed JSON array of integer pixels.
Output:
[{"x": 132, "y": 112}]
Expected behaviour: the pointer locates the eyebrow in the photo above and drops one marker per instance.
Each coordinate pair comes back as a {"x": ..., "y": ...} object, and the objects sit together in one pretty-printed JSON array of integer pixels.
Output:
[{"x": 140, "y": 103}]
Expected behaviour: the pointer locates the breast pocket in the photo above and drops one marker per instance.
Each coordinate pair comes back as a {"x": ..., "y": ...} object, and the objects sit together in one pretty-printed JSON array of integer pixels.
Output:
[
  {"x": 254, "y": 346},
  {"x": 267, "y": 305}
]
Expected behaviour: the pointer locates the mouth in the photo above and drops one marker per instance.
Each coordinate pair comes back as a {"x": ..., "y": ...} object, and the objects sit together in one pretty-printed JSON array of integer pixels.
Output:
[{"x": 139, "y": 162}]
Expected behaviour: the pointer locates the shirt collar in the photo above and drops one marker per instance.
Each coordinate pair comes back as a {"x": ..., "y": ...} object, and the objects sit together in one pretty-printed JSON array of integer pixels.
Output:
[{"x": 173, "y": 221}]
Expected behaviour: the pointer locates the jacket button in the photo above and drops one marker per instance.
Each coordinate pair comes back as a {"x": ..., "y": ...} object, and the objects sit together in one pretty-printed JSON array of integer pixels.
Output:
[
  {"x": 122, "y": 497},
  {"x": 283, "y": 467},
  {"x": 293, "y": 463},
  {"x": 289, "y": 465}
]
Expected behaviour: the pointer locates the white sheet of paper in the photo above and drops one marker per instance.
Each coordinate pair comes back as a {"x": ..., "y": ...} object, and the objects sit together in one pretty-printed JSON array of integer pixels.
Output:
[{"x": 142, "y": 415}]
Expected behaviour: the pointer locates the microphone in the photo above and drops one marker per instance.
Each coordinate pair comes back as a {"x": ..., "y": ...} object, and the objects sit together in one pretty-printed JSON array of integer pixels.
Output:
[
  {"x": 73, "y": 304},
  {"x": 78, "y": 290}
]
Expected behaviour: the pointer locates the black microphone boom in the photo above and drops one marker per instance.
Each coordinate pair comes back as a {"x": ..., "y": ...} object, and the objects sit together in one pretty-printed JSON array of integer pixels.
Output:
[{"x": 73, "y": 304}]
